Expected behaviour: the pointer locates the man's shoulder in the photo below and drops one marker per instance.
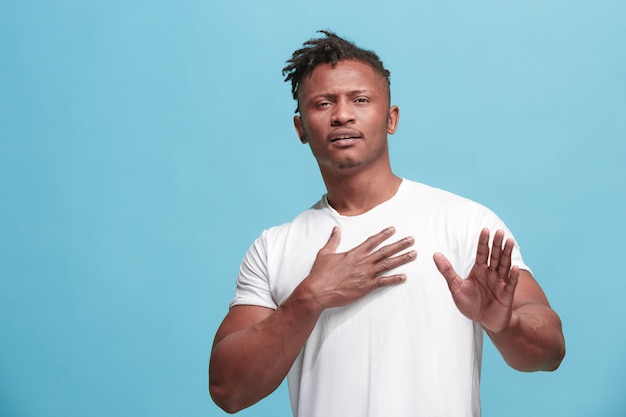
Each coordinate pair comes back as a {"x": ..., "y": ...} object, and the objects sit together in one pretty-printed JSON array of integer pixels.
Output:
[
  {"x": 306, "y": 217},
  {"x": 435, "y": 195}
]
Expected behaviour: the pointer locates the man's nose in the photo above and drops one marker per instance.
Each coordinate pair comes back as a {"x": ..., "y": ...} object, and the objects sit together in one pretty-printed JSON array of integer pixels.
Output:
[{"x": 343, "y": 113}]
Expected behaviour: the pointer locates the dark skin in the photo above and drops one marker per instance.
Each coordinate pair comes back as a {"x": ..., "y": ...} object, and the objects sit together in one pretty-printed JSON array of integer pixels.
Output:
[
  {"x": 345, "y": 119},
  {"x": 255, "y": 347},
  {"x": 509, "y": 305}
]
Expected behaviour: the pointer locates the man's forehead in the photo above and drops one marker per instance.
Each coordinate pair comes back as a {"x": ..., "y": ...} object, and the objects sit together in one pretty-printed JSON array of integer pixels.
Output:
[
  {"x": 350, "y": 74},
  {"x": 352, "y": 64}
]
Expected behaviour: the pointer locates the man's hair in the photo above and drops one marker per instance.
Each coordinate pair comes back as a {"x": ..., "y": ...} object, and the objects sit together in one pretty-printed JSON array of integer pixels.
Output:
[{"x": 330, "y": 49}]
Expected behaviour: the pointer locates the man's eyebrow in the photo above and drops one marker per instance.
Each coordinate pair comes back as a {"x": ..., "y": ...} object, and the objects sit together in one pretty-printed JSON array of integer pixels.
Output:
[
  {"x": 362, "y": 91},
  {"x": 350, "y": 93}
]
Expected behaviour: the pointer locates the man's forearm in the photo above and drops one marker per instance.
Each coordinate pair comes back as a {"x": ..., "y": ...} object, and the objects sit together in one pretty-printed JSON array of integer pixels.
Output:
[
  {"x": 534, "y": 339},
  {"x": 255, "y": 347},
  {"x": 249, "y": 364}
]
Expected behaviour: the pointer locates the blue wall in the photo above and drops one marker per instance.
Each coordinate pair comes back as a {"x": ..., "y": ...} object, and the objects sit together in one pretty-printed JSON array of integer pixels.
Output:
[{"x": 145, "y": 144}]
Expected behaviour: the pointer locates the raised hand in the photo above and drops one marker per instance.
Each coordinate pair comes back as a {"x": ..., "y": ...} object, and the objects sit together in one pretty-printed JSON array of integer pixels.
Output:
[
  {"x": 338, "y": 279},
  {"x": 486, "y": 295}
]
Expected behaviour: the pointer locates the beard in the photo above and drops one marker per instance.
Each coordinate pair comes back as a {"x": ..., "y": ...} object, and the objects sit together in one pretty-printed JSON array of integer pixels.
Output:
[
  {"x": 348, "y": 163},
  {"x": 342, "y": 165}
]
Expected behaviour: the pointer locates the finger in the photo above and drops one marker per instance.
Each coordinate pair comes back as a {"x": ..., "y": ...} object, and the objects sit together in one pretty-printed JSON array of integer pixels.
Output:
[
  {"x": 373, "y": 241},
  {"x": 389, "y": 280},
  {"x": 445, "y": 268},
  {"x": 496, "y": 250},
  {"x": 482, "y": 252},
  {"x": 513, "y": 278},
  {"x": 390, "y": 250},
  {"x": 394, "y": 262},
  {"x": 505, "y": 258},
  {"x": 333, "y": 241}
]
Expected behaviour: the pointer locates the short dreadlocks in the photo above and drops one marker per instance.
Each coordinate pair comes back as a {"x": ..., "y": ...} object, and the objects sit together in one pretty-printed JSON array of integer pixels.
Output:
[{"x": 330, "y": 49}]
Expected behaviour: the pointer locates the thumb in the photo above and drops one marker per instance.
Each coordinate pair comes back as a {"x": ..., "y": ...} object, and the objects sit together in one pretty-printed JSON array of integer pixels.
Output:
[
  {"x": 445, "y": 268},
  {"x": 333, "y": 241}
]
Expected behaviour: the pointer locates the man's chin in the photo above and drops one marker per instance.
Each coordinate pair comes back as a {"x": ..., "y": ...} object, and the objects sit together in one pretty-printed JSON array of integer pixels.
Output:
[
  {"x": 349, "y": 164},
  {"x": 342, "y": 165}
]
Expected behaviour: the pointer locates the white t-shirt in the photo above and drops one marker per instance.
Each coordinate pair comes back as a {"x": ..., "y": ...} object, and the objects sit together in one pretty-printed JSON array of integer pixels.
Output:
[{"x": 401, "y": 351}]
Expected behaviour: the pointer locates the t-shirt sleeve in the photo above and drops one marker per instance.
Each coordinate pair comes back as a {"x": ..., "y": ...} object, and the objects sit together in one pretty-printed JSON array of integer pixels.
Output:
[
  {"x": 491, "y": 221},
  {"x": 253, "y": 281}
]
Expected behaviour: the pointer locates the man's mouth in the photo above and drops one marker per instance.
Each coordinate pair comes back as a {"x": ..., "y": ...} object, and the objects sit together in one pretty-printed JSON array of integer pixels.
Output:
[
  {"x": 344, "y": 136},
  {"x": 338, "y": 138}
]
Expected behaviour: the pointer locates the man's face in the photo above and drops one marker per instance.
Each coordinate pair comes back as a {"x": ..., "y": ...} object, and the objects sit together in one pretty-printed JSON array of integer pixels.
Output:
[{"x": 345, "y": 116}]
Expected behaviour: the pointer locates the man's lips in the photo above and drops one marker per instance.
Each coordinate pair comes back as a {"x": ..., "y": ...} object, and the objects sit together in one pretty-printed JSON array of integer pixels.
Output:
[{"x": 344, "y": 136}]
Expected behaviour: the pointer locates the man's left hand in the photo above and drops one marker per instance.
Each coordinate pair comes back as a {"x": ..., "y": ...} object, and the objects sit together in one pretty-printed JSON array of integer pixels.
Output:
[{"x": 486, "y": 295}]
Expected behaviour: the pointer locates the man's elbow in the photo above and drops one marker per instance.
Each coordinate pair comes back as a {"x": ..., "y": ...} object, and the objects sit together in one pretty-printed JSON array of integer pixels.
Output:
[
  {"x": 557, "y": 352},
  {"x": 557, "y": 358},
  {"x": 548, "y": 361},
  {"x": 224, "y": 398},
  {"x": 550, "y": 350}
]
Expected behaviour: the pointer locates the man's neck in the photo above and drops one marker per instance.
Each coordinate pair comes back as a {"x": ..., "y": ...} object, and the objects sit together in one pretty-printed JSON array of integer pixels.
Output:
[{"x": 351, "y": 195}]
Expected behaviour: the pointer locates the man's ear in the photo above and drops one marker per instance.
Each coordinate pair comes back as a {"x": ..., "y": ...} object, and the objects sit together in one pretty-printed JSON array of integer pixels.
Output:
[
  {"x": 393, "y": 119},
  {"x": 297, "y": 122}
]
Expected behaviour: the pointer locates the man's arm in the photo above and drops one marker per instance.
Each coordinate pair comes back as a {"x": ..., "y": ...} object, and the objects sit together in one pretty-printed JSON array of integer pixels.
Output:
[
  {"x": 533, "y": 340},
  {"x": 255, "y": 347},
  {"x": 509, "y": 304}
]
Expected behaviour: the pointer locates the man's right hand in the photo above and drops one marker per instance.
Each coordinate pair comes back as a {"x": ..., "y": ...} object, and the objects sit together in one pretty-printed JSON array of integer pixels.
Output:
[
  {"x": 255, "y": 347},
  {"x": 338, "y": 279}
]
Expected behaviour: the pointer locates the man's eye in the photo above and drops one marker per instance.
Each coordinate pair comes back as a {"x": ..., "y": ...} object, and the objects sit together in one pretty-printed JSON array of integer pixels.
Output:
[{"x": 361, "y": 100}]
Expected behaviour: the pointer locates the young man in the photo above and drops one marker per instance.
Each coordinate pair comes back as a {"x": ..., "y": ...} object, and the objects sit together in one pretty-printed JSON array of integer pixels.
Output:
[{"x": 364, "y": 323}]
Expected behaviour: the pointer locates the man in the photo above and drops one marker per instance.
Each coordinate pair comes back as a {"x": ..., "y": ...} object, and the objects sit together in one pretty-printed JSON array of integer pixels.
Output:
[{"x": 361, "y": 322}]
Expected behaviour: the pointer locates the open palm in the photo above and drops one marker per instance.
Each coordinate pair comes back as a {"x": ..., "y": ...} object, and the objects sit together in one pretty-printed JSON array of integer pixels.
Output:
[{"x": 486, "y": 295}]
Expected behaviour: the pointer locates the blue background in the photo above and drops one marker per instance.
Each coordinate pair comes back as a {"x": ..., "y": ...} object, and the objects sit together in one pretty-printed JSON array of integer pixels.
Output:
[{"x": 145, "y": 144}]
